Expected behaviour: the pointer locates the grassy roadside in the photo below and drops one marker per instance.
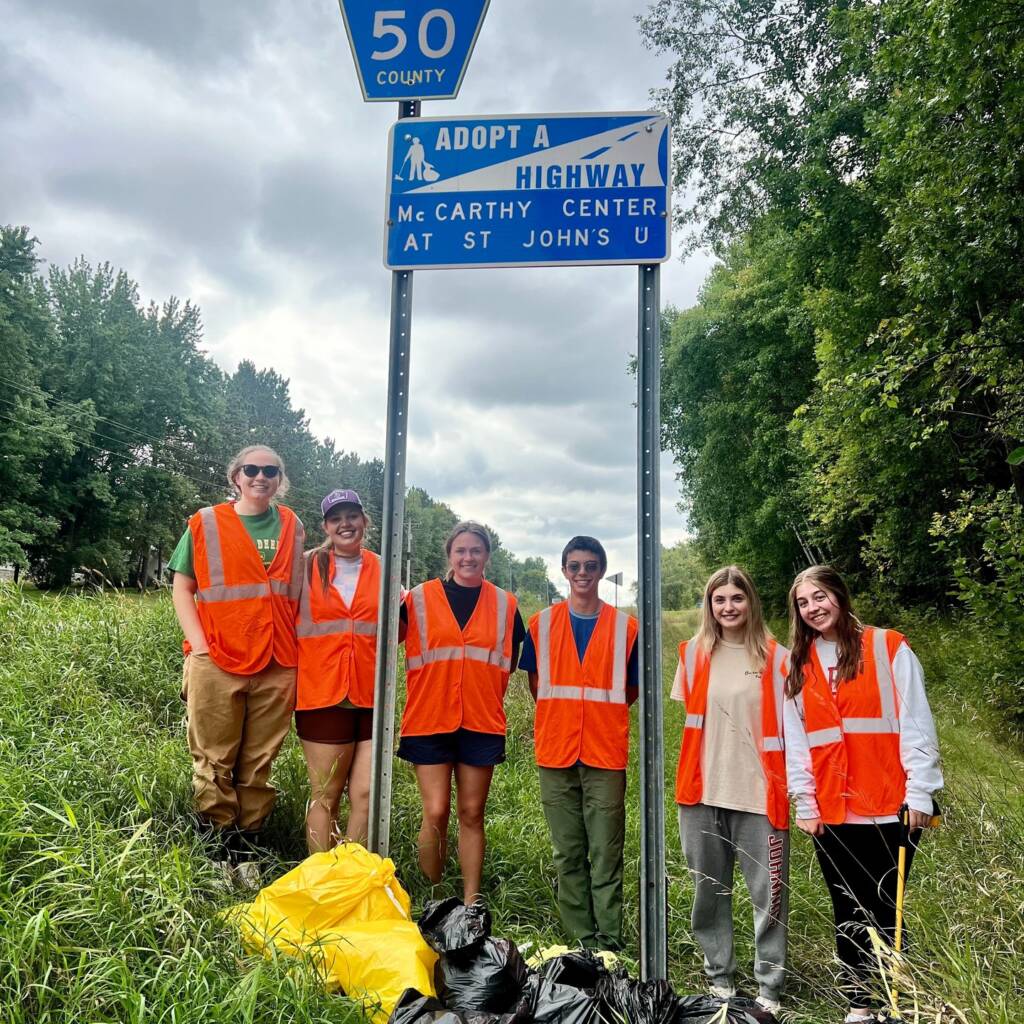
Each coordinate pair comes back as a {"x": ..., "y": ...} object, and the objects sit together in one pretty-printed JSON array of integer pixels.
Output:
[{"x": 108, "y": 911}]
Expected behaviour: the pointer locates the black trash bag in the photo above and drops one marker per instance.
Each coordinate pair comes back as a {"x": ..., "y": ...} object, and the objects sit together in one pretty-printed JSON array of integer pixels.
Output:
[
  {"x": 578, "y": 969},
  {"x": 490, "y": 982},
  {"x": 705, "y": 1009},
  {"x": 452, "y": 929},
  {"x": 551, "y": 1003},
  {"x": 639, "y": 1002},
  {"x": 415, "y": 1008}
]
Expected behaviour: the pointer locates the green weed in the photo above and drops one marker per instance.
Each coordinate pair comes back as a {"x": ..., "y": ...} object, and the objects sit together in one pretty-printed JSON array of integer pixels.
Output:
[{"x": 108, "y": 908}]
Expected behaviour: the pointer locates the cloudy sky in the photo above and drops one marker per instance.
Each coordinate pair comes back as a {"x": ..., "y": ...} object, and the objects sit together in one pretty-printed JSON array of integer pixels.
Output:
[{"x": 221, "y": 151}]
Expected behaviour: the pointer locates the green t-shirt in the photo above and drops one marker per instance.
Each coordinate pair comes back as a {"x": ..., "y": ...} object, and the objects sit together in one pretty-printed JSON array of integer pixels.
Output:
[{"x": 264, "y": 530}]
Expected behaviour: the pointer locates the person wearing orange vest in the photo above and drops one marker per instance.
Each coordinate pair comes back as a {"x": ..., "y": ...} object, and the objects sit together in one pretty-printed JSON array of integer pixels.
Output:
[
  {"x": 461, "y": 644},
  {"x": 337, "y": 636},
  {"x": 860, "y": 745},
  {"x": 237, "y": 577},
  {"x": 581, "y": 659},
  {"x": 731, "y": 781}
]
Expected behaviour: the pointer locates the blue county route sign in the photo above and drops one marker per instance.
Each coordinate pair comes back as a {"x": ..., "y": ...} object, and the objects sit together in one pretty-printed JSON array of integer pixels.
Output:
[
  {"x": 528, "y": 191},
  {"x": 412, "y": 49}
]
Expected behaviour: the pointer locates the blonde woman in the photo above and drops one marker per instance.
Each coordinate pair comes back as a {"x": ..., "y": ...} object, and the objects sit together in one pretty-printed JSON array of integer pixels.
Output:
[
  {"x": 237, "y": 577},
  {"x": 861, "y": 746},
  {"x": 731, "y": 781}
]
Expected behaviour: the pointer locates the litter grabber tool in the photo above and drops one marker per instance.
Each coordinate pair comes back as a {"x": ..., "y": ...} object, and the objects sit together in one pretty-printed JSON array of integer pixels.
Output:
[{"x": 901, "y": 889}]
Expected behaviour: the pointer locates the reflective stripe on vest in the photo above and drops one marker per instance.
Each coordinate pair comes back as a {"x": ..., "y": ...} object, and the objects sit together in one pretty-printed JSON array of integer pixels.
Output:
[
  {"x": 776, "y": 743},
  {"x": 432, "y": 655},
  {"x": 306, "y": 627},
  {"x": 218, "y": 590},
  {"x": 887, "y": 724},
  {"x": 546, "y": 690}
]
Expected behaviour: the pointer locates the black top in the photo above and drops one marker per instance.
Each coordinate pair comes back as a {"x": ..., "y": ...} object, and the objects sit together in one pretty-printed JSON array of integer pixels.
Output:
[{"x": 462, "y": 601}]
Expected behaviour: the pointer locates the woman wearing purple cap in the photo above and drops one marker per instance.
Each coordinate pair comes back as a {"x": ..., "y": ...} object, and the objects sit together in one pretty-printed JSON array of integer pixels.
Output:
[{"x": 337, "y": 636}]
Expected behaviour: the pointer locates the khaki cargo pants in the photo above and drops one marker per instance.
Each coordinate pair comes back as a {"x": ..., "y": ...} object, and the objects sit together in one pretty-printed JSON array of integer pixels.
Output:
[{"x": 236, "y": 725}]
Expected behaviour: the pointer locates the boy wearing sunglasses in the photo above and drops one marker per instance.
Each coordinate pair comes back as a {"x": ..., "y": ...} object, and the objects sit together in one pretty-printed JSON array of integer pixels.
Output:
[
  {"x": 237, "y": 577},
  {"x": 581, "y": 659}
]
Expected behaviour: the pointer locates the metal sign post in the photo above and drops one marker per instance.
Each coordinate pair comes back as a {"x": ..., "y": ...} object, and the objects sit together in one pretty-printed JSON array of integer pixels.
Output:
[
  {"x": 393, "y": 514},
  {"x": 653, "y": 885}
]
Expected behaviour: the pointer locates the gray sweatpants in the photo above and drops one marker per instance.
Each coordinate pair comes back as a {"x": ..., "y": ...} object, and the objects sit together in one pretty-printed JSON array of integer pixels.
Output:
[{"x": 712, "y": 839}]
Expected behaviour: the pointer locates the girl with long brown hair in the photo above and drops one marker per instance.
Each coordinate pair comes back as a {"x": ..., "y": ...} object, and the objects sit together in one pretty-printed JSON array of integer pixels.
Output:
[
  {"x": 731, "y": 781},
  {"x": 337, "y": 635},
  {"x": 860, "y": 747}
]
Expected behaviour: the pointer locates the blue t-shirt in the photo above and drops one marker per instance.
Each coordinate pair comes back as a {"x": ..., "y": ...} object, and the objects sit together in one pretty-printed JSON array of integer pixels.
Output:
[{"x": 582, "y": 631}]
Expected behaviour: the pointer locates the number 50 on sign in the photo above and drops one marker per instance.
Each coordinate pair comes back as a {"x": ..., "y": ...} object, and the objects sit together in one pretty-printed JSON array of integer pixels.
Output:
[{"x": 412, "y": 49}]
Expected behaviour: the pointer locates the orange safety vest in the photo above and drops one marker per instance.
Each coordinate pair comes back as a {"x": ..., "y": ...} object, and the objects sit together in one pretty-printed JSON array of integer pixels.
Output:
[
  {"x": 854, "y": 734},
  {"x": 337, "y": 642},
  {"x": 582, "y": 713},
  {"x": 247, "y": 609},
  {"x": 457, "y": 678},
  {"x": 770, "y": 744}
]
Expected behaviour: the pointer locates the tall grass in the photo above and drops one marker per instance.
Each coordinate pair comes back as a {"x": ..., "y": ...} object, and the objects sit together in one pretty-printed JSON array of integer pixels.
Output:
[{"x": 108, "y": 909}]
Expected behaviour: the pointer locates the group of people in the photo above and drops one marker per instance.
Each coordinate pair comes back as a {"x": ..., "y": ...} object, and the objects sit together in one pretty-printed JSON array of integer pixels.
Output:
[{"x": 839, "y": 722}]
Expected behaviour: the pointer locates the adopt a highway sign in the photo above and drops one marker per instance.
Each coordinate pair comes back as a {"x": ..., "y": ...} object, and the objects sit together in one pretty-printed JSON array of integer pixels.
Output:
[
  {"x": 412, "y": 49},
  {"x": 528, "y": 190}
]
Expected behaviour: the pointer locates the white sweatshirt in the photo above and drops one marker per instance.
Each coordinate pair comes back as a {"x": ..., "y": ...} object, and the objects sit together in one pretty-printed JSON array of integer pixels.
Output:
[{"x": 919, "y": 745}]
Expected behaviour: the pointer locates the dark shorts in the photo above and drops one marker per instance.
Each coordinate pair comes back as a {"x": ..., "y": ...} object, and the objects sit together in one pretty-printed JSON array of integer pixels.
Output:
[
  {"x": 478, "y": 749},
  {"x": 334, "y": 725}
]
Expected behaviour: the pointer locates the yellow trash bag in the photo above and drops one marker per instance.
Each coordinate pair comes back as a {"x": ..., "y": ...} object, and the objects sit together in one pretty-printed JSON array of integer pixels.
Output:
[
  {"x": 606, "y": 956},
  {"x": 346, "y": 911}
]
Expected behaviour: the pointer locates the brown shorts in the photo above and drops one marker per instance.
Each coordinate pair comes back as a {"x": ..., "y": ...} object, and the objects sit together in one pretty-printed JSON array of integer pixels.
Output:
[{"x": 334, "y": 725}]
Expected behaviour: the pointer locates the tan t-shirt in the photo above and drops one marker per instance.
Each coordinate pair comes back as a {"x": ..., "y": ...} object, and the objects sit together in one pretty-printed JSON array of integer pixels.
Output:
[{"x": 729, "y": 759}]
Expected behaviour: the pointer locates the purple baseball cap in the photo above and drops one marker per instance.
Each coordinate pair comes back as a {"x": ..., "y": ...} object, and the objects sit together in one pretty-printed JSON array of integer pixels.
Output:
[{"x": 339, "y": 497}]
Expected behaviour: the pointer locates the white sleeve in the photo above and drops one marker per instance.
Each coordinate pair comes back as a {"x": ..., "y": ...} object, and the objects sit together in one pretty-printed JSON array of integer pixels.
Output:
[
  {"x": 799, "y": 771},
  {"x": 678, "y": 688},
  {"x": 919, "y": 744}
]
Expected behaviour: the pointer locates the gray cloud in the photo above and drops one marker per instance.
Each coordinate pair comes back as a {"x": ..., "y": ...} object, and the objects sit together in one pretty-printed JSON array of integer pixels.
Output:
[
  {"x": 192, "y": 32},
  {"x": 221, "y": 152}
]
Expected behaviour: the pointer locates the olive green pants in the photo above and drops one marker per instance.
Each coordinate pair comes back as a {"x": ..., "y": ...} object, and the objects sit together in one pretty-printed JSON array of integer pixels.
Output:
[{"x": 586, "y": 813}]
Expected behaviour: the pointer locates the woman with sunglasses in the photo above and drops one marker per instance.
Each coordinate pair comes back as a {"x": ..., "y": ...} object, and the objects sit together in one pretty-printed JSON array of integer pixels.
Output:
[
  {"x": 461, "y": 644},
  {"x": 861, "y": 749},
  {"x": 237, "y": 578}
]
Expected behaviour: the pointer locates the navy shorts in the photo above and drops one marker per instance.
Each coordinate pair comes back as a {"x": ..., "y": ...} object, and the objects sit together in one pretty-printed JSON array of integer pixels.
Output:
[{"x": 478, "y": 749}]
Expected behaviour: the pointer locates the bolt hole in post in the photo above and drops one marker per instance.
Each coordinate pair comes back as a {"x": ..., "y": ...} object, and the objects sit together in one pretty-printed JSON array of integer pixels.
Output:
[
  {"x": 393, "y": 514},
  {"x": 654, "y": 902}
]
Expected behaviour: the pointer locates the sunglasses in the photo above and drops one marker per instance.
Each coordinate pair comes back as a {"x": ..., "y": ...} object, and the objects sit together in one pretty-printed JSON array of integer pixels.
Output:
[
  {"x": 252, "y": 471},
  {"x": 575, "y": 567}
]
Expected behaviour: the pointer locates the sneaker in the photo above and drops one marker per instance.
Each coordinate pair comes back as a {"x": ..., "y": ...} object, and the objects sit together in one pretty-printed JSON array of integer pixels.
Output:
[
  {"x": 247, "y": 874},
  {"x": 722, "y": 991},
  {"x": 223, "y": 874},
  {"x": 859, "y": 1018},
  {"x": 771, "y": 1006}
]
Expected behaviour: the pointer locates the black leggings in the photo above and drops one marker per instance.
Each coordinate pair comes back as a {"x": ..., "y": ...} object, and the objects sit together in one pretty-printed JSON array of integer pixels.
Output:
[{"x": 860, "y": 867}]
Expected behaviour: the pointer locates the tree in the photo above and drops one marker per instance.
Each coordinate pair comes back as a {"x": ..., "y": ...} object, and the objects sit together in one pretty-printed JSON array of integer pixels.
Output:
[
  {"x": 32, "y": 432},
  {"x": 862, "y": 162},
  {"x": 683, "y": 575},
  {"x": 735, "y": 369}
]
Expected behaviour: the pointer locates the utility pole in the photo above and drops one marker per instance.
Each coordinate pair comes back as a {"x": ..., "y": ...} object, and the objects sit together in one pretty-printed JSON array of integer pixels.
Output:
[{"x": 408, "y": 553}]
